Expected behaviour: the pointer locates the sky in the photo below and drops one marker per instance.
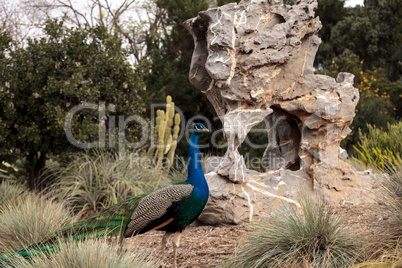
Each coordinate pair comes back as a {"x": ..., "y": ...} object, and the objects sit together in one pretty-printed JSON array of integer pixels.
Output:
[{"x": 353, "y": 3}]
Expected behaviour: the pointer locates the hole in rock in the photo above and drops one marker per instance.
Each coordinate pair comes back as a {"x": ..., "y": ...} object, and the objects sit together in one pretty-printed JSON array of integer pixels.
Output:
[
  {"x": 284, "y": 138},
  {"x": 289, "y": 2},
  {"x": 279, "y": 18},
  {"x": 253, "y": 147}
]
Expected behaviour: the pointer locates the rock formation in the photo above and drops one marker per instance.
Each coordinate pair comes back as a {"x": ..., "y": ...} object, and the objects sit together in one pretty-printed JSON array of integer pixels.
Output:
[{"x": 254, "y": 61}]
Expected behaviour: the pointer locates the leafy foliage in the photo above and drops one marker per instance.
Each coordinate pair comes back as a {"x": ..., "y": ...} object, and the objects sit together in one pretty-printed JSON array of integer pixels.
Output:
[
  {"x": 28, "y": 218},
  {"x": 380, "y": 99},
  {"x": 16, "y": 172},
  {"x": 310, "y": 237},
  {"x": 330, "y": 13},
  {"x": 381, "y": 149},
  {"x": 379, "y": 104},
  {"x": 40, "y": 83},
  {"x": 169, "y": 58},
  {"x": 93, "y": 182},
  {"x": 371, "y": 32}
]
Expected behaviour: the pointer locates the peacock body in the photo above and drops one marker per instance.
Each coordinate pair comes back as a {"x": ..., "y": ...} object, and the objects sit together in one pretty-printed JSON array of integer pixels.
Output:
[{"x": 170, "y": 209}]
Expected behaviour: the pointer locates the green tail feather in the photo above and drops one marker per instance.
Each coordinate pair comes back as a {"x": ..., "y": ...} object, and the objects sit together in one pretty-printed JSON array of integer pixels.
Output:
[{"x": 111, "y": 222}]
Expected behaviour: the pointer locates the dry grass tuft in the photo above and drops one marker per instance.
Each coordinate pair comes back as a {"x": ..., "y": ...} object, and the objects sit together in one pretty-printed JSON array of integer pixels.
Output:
[
  {"x": 28, "y": 218},
  {"x": 89, "y": 254},
  {"x": 290, "y": 237}
]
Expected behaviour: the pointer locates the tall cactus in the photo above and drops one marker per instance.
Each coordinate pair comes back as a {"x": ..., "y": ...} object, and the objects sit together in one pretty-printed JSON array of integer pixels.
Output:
[
  {"x": 167, "y": 128},
  {"x": 176, "y": 130}
]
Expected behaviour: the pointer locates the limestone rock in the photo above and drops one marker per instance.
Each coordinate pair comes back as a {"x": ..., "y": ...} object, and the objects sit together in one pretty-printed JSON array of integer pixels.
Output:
[
  {"x": 254, "y": 61},
  {"x": 234, "y": 203}
]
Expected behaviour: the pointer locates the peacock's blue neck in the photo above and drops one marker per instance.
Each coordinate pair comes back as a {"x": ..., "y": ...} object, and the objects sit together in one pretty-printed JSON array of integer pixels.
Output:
[{"x": 195, "y": 173}]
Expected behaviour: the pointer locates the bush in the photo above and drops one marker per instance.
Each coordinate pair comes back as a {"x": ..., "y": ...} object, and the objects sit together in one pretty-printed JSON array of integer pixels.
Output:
[
  {"x": 29, "y": 218},
  {"x": 291, "y": 237},
  {"x": 89, "y": 254},
  {"x": 48, "y": 76},
  {"x": 99, "y": 181},
  {"x": 379, "y": 148},
  {"x": 16, "y": 172},
  {"x": 379, "y": 101}
]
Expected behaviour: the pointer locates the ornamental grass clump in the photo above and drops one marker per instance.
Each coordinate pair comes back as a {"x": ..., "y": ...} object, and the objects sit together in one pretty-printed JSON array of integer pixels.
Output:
[
  {"x": 94, "y": 182},
  {"x": 88, "y": 254},
  {"x": 390, "y": 196},
  {"x": 307, "y": 236},
  {"x": 10, "y": 190},
  {"x": 29, "y": 218}
]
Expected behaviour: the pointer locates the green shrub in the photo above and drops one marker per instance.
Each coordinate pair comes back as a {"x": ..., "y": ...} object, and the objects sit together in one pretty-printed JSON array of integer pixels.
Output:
[
  {"x": 29, "y": 218},
  {"x": 99, "y": 181},
  {"x": 379, "y": 148},
  {"x": 310, "y": 236},
  {"x": 49, "y": 75},
  {"x": 89, "y": 254},
  {"x": 16, "y": 172},
  {"x": 10, "y": 190}
]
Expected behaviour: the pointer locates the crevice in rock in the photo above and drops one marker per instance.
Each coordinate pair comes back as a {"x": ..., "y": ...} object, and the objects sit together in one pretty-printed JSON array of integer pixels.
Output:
[
  {"x": 253, "y": 147},
  {"x": 288, "y": 2},
  {"x": 279, "y": 18},
  {"x": 283, "y": 141}
]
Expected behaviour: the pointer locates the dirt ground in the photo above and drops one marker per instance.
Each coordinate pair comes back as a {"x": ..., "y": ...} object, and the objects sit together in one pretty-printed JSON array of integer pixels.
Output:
[{"x": 207, "y": 246}]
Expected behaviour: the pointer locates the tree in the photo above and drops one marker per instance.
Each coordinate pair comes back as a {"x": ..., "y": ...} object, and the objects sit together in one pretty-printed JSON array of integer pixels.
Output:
[
  {"x": 159, "y": 44},
  {"x": 20, "y": 21},
  {"x": 169, "y": 60},
  {"x": 373, "y": 33},
  {"x": 380, "y": 99},
  {"x": 130, "y": 21},
  {"x": 39, "y": 85},
  {"x": 330, "y": 13},
  {"x": 376, "y": 105}
]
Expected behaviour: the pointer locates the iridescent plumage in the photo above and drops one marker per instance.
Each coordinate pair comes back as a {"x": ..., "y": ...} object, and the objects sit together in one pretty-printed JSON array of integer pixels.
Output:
[{"x": 171, "y": 209}]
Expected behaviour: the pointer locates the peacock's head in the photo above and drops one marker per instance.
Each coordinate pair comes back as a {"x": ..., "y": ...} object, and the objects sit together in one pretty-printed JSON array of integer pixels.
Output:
[{"x": 196, "y": 127}]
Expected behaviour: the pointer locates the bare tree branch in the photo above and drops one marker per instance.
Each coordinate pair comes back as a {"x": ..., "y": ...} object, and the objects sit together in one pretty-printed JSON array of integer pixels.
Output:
[
  {"x": 133, "y": 21},
  {"x": 100, "y": 13},
  {"x": 17, "y": 19}
]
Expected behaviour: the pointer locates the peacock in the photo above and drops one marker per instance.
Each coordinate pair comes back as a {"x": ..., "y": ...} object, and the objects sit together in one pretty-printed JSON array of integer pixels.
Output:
[{"x": 171, "y": 209}]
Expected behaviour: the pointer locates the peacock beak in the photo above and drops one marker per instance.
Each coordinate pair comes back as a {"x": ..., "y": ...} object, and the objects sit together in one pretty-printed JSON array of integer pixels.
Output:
[{"x": 205, "y": 129}]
